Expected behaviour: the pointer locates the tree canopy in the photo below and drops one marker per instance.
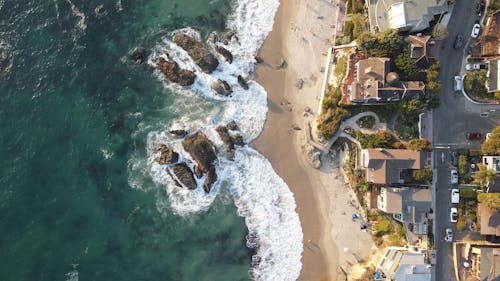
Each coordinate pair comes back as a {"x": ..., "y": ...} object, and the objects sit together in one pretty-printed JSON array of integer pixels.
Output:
[
  {"x": 384, "y": 44},
  {"x": 490, "y": 200},
  {"x": 424, "y": 175},
  {"x": 406, "y": 66},
  {"x": 492, "y": 145},
  {"x": 484, "y": 176}
]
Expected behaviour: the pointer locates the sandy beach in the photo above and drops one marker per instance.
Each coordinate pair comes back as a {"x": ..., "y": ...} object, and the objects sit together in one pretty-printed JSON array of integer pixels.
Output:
[{"x": 333, "y": 242}]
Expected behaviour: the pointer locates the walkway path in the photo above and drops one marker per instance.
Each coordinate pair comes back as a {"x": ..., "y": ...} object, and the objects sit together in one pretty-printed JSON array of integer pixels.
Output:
[{"x": 349, "y": 123}]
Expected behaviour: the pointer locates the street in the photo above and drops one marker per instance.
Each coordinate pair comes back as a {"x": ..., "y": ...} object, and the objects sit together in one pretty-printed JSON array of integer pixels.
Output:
[{"x": 455, "y": 117}]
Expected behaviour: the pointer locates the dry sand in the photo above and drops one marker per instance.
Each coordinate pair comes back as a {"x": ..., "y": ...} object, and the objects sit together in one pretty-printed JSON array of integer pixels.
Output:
[{"x": 301, "y": 36}]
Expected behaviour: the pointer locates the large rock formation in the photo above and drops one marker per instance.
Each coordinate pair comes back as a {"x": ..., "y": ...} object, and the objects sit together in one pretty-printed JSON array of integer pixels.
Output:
[
  {"x": 184, "y": 175},
  {"x": 228, "y": 139},
  {"x": 225, "y": 53},
  {"x": 168, "y": 155},
  {"x": 171, "y": 69},
  {"x": 204, "y": 153},
  {"x": 201, "y": 56},
  {"x": 221, "y": 87}
]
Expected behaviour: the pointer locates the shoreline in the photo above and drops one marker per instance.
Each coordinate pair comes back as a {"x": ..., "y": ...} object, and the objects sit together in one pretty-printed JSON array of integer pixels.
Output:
[{"x": 300, "y": 36}]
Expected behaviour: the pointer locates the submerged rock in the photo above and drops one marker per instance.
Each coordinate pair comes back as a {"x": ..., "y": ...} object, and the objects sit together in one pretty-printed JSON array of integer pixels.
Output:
[
  {"x": 221, "y": 87},
  {"x": 184, "y": 175},
  {"x": 171, "y": 69},
  {"x": 203, "y": 151},
  {"x": 242, "y": 82},
  {"x": 225, "y": 53},
  {"x": 200, "y": 55},
  {"x": 139, "y": 55}
]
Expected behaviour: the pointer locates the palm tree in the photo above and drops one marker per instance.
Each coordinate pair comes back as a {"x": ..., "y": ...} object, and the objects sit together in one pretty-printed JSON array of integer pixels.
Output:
[{"x": 484, "y": 176}]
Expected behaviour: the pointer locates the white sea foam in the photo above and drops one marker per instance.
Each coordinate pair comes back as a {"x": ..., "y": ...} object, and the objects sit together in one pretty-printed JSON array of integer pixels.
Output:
[{"x": 259, "y": 194}]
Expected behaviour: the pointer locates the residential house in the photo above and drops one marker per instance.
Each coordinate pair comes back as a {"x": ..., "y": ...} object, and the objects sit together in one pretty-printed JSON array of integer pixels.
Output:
[
  {"x": 374, "y": 82},
  {"x": 392, "y": 167},
  {"x": 400, "y": 264},
  {"x": 404, "y": 15},
  {"x": 492, "y": 163},
  {"x": 422, "y": 49},
  {"x": 410, "y": 206},
  {"x": 488, "y": 45},
  {"x": 489, "y": 220},
  {"x": 493, "y": 82},
  {"x": 390, "y": 200},
  {"x": 485, "y": 263}
]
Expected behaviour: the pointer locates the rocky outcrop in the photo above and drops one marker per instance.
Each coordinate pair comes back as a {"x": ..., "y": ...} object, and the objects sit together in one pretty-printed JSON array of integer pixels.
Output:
[
  {"x": 204, "y": 153},
  {"x": 313, "y": 155},
  {"x": 184, "y": 175},
  {"x": 139, "y": 55},
  {"x": 228, "y": 139},
  {"x": 167, "y": 155},
  {"x": 225, "y": 53},
  {"x": 221, "y": 87},
  {"x": 179, "y": 132},
  {"x": 232, "y": 126},
  {"x": 242, "y": 82},
  {"x": 171, "y": 69},
  {"x": 200, "y": 55}
]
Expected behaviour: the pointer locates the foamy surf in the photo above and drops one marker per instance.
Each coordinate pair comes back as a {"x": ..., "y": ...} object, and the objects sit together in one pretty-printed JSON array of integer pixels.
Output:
[{"x": 260, "y": 195}]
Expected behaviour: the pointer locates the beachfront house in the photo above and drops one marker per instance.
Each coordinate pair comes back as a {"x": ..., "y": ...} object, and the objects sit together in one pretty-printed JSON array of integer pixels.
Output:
[
  {"x": 401, "y": 264},
  {"x": 404, "y": 15},
  {"x": 485, "y": 263},
  {"x": 410, "y": 206},
  {"x": 392, "y": 167},
  {"x": 373, "y": 82}
]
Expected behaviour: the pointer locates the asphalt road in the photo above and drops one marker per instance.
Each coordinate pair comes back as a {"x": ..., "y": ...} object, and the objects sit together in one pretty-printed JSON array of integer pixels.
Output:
[{"x": 455, "y": 116}]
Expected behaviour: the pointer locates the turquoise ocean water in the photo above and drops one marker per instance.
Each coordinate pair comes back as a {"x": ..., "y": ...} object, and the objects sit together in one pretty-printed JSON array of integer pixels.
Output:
[
  {"x": 82, "y": 196},
  {"x": 70, "y": 102}
]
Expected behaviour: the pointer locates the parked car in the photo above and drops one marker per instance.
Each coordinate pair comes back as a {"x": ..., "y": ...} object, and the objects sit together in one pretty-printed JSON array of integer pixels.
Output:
[
  {"x": 454, "y": 176},
  {"x": 449, "y": 235},
  {"x": 474, "y": 136},
  {"x": 453, "y": 214},
  {"x": 459, "y": 42},
  {"x": 454, "y": 158},
  {"x": 475, "y": 30},
  {"x": 455, "y": 196},
  {"x": 458, "y": 84}
]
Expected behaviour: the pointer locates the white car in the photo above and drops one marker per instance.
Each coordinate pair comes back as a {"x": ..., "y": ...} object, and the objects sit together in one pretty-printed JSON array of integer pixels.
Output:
[
  {"x": 449, "y": 235},
  {"x": 455, "y": 196},
  {"x": 472, "y": 66},
  {"x": 475, "y": 30},
  {"x": 458, "y": 84},
  {"x": 454, "y": 176},
  {"x": 453, "y": 214}
]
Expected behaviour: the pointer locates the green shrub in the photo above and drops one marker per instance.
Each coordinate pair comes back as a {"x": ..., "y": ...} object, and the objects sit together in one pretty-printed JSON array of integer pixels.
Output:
[
  {"x": 474, "y": 83},
  {"x": 367, "y": 122},
  {"x": 419, "y": 144},
  {"x": 383, "y": 227},
  {"x": 406, "y": 66},
  {"x": 468, "y": 193},
  {"x": 462, "y": 164},
  {"x": 423, "y": 175},
  {"x": 348, "y": 28},
  {"x": 383, "y": 44},
  {"x": 461, "y": 223}
]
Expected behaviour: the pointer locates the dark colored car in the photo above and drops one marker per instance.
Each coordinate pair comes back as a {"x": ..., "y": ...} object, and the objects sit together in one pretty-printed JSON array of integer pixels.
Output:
[
  {"x": 459, "y": 42},
  {"x": 474, "y": 136}
]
